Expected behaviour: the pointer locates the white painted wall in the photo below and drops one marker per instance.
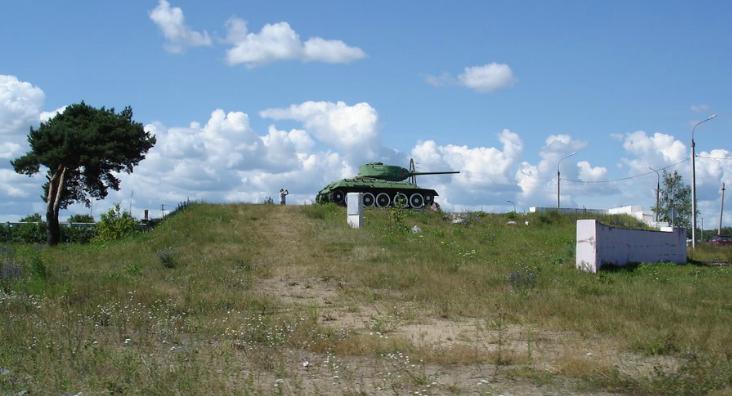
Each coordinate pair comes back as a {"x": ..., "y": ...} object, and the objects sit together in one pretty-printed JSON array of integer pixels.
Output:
[
  {"x": 354, "y": 209},
  {"x": 598, "y": 245}
]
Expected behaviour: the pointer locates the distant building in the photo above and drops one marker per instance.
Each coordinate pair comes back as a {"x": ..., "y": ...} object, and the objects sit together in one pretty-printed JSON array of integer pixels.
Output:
[
  {"x": 630, "y": 210},
  {"x": 537, "y": 209}
]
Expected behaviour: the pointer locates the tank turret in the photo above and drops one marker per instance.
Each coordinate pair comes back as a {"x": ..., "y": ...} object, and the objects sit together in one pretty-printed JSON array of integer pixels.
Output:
[
  {"x": 378, "y": 170},
  {"x": 382, "y": 186}
]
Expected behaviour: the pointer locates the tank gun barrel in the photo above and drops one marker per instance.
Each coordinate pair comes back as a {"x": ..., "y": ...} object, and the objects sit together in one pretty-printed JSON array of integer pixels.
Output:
[{"x": 432, "y": 173}]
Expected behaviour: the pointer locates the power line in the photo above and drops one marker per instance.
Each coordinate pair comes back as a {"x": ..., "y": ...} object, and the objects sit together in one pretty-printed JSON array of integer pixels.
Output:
[
  {"x": 635, "y": 176},
  {"x": 624, "y": 178},
  {"x": 716, "y": 158}
]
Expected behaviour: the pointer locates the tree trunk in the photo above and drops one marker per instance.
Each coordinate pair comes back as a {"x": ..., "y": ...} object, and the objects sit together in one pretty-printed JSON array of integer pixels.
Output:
[
  {"x": 54, "y": 230},
  {"x": 53, "y": 200}
]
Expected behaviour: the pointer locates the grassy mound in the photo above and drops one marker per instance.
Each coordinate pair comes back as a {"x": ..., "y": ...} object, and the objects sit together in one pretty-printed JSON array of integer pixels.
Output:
[{"x": 200, "y": 305}]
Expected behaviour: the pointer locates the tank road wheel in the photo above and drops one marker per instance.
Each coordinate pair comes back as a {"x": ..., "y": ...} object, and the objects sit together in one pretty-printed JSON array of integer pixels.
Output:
[
  {"x": 429, "y": 199},
  {"x": 416, "y": 200},
  {"x": 338, "y": 196},
  {"x": 382, "y": 200},
  {"x": 368, "y": 199},
  {"x": 400, "y": 199}
]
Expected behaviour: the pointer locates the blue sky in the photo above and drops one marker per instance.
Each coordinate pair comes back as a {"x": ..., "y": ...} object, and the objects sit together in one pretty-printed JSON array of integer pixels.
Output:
[{"x": 588, "y": 74}]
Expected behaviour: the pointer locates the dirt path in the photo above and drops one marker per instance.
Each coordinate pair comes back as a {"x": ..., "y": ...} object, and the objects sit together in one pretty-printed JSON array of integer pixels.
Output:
[{"x": 290, "y": 245}]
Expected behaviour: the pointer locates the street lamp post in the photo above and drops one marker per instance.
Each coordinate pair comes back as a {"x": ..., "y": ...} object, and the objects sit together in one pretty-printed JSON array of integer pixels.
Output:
[
  {"x": 721, "y": 212},
  {"x": 658, "y": 190},
  {"x": 559, "y": 177},
  {"x": 701, "y": 231},
  {"x": 693, "y": 180}
]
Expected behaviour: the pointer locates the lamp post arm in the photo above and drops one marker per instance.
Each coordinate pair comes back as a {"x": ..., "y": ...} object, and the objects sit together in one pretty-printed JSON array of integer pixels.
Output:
[{"x": 693, "y": 180}]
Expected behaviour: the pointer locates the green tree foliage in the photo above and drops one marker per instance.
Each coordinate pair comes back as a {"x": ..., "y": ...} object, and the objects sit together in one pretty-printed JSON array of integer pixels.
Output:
[
  {"x": 35, "y": 230},
  {"x": 675, "y": 201},
  {"x": 80, "y": 150},
  {"x": 81, "y": 218},
  {"x": 30, "y": 233},
  {"x": 115, "y": 224},
  {"x": 34, "y": 218},
  {"x": 76, "y": 232}
]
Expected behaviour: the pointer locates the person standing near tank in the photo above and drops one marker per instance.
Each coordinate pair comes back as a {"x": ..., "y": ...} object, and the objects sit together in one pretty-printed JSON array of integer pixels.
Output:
[{"x": 283, "y": 196}]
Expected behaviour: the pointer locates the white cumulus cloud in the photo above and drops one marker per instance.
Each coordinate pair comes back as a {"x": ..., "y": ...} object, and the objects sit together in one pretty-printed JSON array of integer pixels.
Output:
[
  {"x": 352, "y": 129},
  {"x": 483, "y": 78},
  {"x": 20, "y": 104},
  {"x": 538, "y": 181},
  {"x": 484, "y": 171},
  {"x": 589, "y": 173},
  {"x": 656, "y": 150},
  {"x": 661, "y": 150},
  {"x": 178, "y": 35},
  {"x": 317, "y": 49},
  {"x": 226, "y": 160},
  {"x": 487, "y": 78},
  {"x": 47, "y": 115},
  {"x": 278, "y": 41}
]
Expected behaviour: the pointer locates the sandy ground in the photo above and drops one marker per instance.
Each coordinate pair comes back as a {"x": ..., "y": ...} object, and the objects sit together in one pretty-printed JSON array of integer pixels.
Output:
[{"x": 399, "y": 374}]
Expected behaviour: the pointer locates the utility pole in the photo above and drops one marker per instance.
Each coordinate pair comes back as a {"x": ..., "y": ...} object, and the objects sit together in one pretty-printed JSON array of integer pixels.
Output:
[
  {"x": 671, "y": 205},
  {"x": 559, "y": 177},
  {"x": 658, "y": 191},
  {"x": 721, "y": 212},
  {"x": 132, "y": 198},
  {"x": 693, "y": 180}
]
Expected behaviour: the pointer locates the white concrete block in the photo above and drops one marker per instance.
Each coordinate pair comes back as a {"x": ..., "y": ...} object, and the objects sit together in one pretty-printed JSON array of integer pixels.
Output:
[
  {"x": 354, "y": 209},
  {"x": 598, "y": 245},
  {"x": 354, "y": 203},
  {"x": 355, "y": 221}
]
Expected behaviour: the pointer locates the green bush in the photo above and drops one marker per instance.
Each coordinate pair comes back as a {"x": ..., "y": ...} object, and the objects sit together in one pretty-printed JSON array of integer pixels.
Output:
[
  {"x": 36, "y": 233},
  {"x": 115, "y": 224},
  {"x": 78, "y": 234},
  {"x": 81, "y": 218},
  {"x": 550, "y": 217},
  {"x": 30, "y": 233}
]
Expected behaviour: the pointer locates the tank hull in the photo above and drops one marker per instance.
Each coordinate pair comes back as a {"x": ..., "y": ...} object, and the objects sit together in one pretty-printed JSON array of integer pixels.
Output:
[{"x": 378, "y": 193}]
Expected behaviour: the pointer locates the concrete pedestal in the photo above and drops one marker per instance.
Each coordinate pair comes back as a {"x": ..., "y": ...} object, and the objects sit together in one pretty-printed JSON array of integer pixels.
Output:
[{"x": 354, "y": 209}]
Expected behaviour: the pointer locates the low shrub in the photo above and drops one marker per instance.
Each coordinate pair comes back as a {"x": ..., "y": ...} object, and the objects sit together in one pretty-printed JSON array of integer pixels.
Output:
[
  {"x": 166, "y": 258},
  {"x": 115, "y": 224}
]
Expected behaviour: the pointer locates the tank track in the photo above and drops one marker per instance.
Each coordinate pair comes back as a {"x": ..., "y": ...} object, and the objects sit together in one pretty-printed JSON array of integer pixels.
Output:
[{"x": 417, "y": 198}]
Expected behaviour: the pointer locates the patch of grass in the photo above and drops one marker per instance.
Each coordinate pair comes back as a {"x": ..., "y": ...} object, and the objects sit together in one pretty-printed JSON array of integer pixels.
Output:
[
  {"x": 9, "y": 268},
  {"x": 711, "y": 254},
  {"x": 320, "y": 212}
]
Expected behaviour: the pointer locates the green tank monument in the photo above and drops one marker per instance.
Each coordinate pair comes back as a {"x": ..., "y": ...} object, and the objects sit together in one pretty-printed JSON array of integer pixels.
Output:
[{"x": 382, "y": 186}]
